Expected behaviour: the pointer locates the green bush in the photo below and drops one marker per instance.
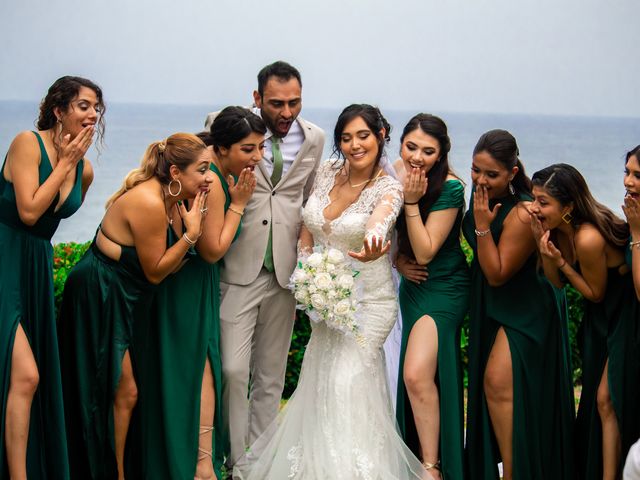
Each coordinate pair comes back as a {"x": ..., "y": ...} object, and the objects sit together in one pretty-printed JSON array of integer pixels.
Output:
[{"x": 65, "y": 256}]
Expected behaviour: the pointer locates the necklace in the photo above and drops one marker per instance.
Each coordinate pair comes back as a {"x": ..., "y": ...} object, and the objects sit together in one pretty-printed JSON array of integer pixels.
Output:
[
  {"x": 166, "y": 212},
  {"x": 365, "y": 182}
]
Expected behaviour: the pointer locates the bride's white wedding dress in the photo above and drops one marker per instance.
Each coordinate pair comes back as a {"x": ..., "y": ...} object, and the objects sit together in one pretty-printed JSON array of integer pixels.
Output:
[{"x": 339, "y": 423}]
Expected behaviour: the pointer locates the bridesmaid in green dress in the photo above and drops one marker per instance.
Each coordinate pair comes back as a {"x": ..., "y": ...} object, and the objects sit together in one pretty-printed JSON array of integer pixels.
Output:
[
  {"x": 44, "y": 179},
  {"x": 180, "y": 407},
  {"x": 430, "y": 399},
  {"x": 583, "y": 245},
  {"x": 129, "y": 254},
  {"x": 520, "y": 401}
]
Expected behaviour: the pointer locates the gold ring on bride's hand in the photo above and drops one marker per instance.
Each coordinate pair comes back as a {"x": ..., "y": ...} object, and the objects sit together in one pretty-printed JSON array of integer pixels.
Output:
[{"x": 204, "y": 210}]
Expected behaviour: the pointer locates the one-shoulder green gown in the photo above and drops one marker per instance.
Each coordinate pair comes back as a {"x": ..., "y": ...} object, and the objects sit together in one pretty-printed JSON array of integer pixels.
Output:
[
  {"x": 95, "y": 330},
  {"x": 26, "y": 298},
  {"x": 527, "y": 306},
  {"x": 182, "y": 331},
  {"x": 610, "y": 330},
  {"x": 445, "y": 297}
]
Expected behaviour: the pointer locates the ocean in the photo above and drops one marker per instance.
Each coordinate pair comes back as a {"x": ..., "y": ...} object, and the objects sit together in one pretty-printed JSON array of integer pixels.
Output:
[{"x": 594, "y": 145}]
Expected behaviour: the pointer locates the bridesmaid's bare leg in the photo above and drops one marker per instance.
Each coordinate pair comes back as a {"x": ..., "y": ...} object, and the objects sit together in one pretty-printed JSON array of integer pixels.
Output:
[
  {"x": 611, "y": 442},
  {"x": 204, "y": 468},
  {"x": 498, "y": 390},
  {"x": 23, "y": 386},
  {"x": 125, "y": 401},
  {"x": 419, "y": 371}
]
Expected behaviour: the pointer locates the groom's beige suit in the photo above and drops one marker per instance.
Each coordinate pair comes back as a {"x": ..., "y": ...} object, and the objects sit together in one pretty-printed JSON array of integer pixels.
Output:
[{"x": 257, "y": 310}]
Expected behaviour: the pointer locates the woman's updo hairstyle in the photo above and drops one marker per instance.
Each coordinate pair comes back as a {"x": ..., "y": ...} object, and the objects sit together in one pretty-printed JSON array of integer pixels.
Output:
[
  {"x": 179, "y": 149},
  {"x": 502, "y": 147},
  {"x": 233, "y": 124},
  {"x": 374, "y": 120}
]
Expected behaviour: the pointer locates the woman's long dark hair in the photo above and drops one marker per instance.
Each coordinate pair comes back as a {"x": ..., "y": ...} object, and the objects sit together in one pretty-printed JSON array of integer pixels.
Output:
[
  {"x": 565, "y": 183},
  {"x": 435, "y": 127}
]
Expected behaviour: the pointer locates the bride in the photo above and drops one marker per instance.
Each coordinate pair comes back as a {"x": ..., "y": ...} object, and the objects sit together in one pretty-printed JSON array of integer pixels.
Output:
[{"x": 339, "y": 423}]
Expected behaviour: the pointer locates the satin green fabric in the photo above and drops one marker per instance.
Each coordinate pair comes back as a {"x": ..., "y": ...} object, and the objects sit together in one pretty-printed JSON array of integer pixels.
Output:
[
  {"x": 527, "y": 307},
  {"x": 609, "y": 331},
  {"x": 26, "y": 299},
  {"x": 180, "y": 334},
  {"x": 444, "y": 296}
]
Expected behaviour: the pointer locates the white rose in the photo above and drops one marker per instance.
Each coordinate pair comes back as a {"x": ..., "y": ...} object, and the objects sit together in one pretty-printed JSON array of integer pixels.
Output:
[
  {"x": 334, "y": 256},
  {"x": 345, "y": 281},
  {"x": 299, "y": 276},
  {"x": 332, "y": 294},
  {"x": 322, "y": 280},
  {"x": 312, "y": 288},
  {"x": 301, "y": 296},
  {"x": 314, "y": 260},
  {"x": 330, "y": 268},
  {"x": 341, "y": 308},
  {"x": 318, "y": 301}
]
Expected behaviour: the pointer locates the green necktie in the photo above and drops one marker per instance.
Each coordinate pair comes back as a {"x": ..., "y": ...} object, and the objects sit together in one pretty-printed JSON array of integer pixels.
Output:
[
  {"x": 277, "y": 160},
  {"x": 275, "y": 178}
]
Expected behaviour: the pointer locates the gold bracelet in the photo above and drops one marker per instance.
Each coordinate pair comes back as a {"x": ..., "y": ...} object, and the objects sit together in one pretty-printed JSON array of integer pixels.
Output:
[
  {"x": 634, "y": 244},
  {"x": 482, "y": 233},
  {"x": 188, "y": 240},
  {"x": 236, "y": 211},
  {"x": 560, "y": 267},
  {"x": 412, "y": 214}
]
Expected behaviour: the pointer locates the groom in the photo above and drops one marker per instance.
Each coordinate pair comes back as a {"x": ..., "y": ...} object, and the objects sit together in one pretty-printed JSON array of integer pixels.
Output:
[{"x": 257, "y": 309}]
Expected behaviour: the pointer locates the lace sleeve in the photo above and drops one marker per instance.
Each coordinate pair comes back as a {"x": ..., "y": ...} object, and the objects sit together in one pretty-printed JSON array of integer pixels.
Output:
[{"x": 385, "y": 211}]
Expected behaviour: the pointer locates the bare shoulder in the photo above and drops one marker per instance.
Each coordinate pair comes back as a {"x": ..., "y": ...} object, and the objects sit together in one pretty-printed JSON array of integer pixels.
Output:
[
  {"x": 520, "y": 215},
  {"x": 25, "y": 146},
  {"x": 588, "y": 239}
]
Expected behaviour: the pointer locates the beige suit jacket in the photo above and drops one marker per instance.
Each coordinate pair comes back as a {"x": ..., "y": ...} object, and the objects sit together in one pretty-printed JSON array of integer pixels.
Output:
[{"x": 278, "y": 206}]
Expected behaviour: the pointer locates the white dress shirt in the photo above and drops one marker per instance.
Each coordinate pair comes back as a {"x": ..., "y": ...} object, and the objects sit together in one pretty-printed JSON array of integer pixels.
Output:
[{"x": 290, "y": 146}]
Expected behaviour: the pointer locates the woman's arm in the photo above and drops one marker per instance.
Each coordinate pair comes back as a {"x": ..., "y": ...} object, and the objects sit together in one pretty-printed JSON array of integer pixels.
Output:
[
  {"x": 147, "y": 220},
  {"x": 219, "y": 228},
  {"x": 590, "y": 246},
  {"x": 631, "y": 209},
  {"x": 426, "y": 239},
  {"x": 500, "y": 262},
  {"x": 23, "y": 159}
]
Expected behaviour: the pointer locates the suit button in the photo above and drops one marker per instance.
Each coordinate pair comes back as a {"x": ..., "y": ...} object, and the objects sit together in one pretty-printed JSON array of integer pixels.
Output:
[
  {"x": 273, "y": 193},
  {"x": 265, "y": 222}
]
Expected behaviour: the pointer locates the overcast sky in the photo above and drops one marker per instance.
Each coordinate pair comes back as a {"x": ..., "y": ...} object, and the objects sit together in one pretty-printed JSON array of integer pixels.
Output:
[{"x": 516, "y": 56}]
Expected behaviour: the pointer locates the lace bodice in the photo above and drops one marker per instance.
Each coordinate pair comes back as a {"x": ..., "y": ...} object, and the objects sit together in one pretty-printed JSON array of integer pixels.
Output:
[{"x": 374, "y": 213}]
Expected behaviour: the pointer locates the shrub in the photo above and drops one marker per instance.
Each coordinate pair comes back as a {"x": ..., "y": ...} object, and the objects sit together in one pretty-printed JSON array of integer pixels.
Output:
[{"x": 65, "y": 256}]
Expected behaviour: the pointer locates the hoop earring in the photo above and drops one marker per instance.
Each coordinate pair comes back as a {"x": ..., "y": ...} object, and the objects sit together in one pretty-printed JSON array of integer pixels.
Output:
[
  {"x": 567, "y": 217},
  {"x": 179, "y": 188},
  {"x": 512, "y": 190}
]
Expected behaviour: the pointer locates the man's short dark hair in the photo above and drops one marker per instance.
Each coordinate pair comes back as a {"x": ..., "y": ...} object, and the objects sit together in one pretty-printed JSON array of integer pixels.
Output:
[{"x": 282, "y": 70}]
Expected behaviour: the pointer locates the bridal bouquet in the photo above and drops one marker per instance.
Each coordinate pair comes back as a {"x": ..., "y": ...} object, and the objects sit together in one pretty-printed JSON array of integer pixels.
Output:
[{"x": 323, "y": 285}]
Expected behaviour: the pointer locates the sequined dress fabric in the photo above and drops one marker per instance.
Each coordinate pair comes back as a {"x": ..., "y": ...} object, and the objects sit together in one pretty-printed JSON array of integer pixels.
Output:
[{"x": 339, "y": 423}]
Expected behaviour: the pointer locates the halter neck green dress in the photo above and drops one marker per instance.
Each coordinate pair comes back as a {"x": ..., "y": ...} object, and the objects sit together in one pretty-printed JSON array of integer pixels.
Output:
[
  {"x": 610, "y": 330},
  {"x": 445, "y": 297},
  {"x": 527, "y": 306},
  {"x": 182, "y": 331},
  {"x": 95, "y": 330},
  {"x": 26, "y": 298}
]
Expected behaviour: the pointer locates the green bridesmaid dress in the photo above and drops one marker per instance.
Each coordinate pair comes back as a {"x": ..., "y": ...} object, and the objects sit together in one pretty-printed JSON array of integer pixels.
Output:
[
  {"x": 445, "y": 297},
  {"x": 26, "y": 299},
  {"x": 95, "y": 330},
  {"x": 609, "y": 330},
  {"x": 527, "y": 306},
  {"x": 182, "y": 332}
]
